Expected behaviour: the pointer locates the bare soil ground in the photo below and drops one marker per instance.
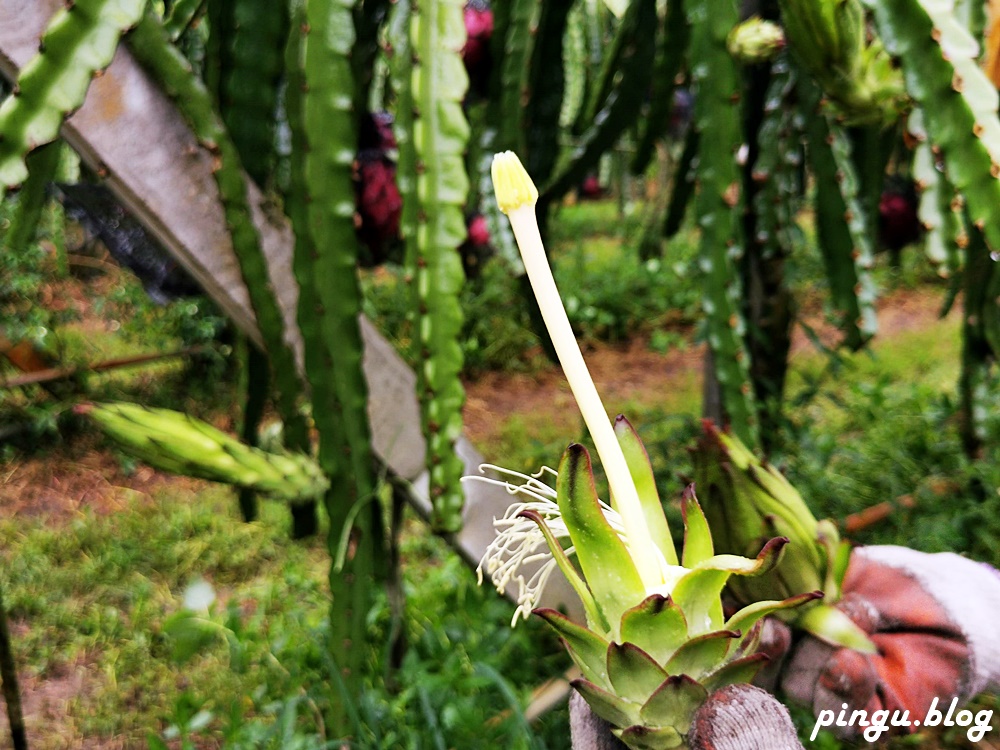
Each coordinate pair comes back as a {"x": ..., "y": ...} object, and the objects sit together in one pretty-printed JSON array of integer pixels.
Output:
[
  {"x": 634, "y": 371},
  {"x": 59, "y": 484}
]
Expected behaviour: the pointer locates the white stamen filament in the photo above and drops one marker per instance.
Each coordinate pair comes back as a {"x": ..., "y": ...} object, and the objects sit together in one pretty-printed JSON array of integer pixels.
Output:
[{"x": 520, "y": 542}]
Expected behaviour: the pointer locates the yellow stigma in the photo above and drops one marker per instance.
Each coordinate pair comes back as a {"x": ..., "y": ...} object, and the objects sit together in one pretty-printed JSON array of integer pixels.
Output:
[{"x": 511, "y": 183}]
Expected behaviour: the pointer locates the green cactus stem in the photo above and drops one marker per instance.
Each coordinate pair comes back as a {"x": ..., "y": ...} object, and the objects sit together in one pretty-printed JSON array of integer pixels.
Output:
[
  {"x": 42, "y": 164},
  {"x": 9, "y": 684},
  {"x": 671, "y": 47},
  {"x": 843, "y": 237},
  {"x": 255, "y": 382},
  {"x": 250, "y": 69},
  {"x": 325, "y": 263},
  {"x": 574, "y": 65},
  {"x": 977, "y": 353},
  {"x": 772, "y": 185},
  {"x": 515, "y": 67},
  {"x": 440, "y": 134},
  {"x": 940, "y": 209},
  {"x": 78, "y": 44},
  {"x": 546, "y": 88},
  {"x": 369, "y": 17},
  {"x": 683, "y": 188},
  {"x": 717, "y": 84},
  {"x": 778, "y": 166},
  {"x": 250, "y": 49},
  {"x": 402, "y": 61},
  {"x": 182, "y": 15}
]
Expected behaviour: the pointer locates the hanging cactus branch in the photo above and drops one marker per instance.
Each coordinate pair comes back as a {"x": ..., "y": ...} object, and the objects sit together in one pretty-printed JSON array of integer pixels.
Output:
[
  {"x": 250, "y": 70},
  {"x": 547, "y": 84},
  {"x": 182, "y": 15},
  {"x": 615, "y": 111},
  {"x": 175, "y": 442},
  {"x": 79, "y": 42},
  {"x": 515, "y": 67},
  {"x": 940, "y": 208},
  {"x": 844, "y": 239},
  {"x": 42, "y": 164}
]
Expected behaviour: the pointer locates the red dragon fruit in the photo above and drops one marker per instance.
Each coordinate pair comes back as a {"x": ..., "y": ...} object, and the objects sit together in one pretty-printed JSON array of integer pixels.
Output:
[
  {"x": 378, "y": 202},
  {"x": 476, "y": 53},
  {"x": 476, "y": 250},
  {"x": 898, "y": 224}
]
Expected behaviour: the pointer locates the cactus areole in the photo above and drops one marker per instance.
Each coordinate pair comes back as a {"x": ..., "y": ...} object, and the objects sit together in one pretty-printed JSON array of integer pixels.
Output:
[{"x": 656, "y": 642}]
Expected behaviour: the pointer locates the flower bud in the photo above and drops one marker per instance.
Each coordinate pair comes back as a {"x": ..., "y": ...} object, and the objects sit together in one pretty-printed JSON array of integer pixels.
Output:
[{"x": 755, "y": 40}]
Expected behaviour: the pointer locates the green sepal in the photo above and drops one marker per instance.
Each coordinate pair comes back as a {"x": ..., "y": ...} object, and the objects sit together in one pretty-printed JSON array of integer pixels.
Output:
[
  {"x": 595, "y": 619},
  {"x": 832, "y": 626},
  {"x": 699, "y": 592},
  {"x": 613, "y": 709},
  {"x": 699, "y": 655},
  {"x": 697, "y": 536},
  {"x": 674, "y": 702},
  {"x": 607, "y": 565},
  {"x": 736, "y": 672},
  {"x": 838, "y": 554},
  {"x": 633, "y": 673},
  {"x": 751, "y": 614},
  {"x": 587, "y": 649},
  {"x": 641, "y": 470},
  {"x": 651, "y": 738},
  {"x": 656, "y": 625}
]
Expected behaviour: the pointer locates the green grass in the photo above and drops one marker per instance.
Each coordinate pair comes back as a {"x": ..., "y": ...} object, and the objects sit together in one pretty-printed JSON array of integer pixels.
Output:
[{"x": 99, "y": 594}]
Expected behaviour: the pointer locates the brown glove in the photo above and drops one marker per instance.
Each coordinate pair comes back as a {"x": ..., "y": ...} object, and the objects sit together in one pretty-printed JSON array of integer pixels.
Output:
[
  {"x": 738, "y": 717},
  {"x": 931, "y": 618}
]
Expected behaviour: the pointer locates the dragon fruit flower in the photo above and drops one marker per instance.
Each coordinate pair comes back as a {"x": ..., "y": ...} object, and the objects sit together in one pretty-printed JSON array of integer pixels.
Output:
[{"x": 656, "y": 641}]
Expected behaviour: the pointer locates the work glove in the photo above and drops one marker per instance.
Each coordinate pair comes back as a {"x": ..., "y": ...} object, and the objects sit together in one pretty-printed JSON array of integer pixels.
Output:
[
  {"x": 935, "y": 619},
  {"x": 738, "y": 717}
]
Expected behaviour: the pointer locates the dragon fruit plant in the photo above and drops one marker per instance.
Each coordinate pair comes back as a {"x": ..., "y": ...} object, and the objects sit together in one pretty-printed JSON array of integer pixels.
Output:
[{"x": 656, "y": 642}]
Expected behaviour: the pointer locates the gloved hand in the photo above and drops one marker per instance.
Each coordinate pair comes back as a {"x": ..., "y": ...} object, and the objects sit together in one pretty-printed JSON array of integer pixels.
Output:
[
  {"x": 738, "y": 717},
  {"x": 934, "y": 619}
]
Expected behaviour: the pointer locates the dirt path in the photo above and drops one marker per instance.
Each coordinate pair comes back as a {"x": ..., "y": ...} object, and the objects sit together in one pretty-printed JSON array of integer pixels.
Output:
[
  {"x": 633, "y": 372},
  {"x": 62, "y": 483}
]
